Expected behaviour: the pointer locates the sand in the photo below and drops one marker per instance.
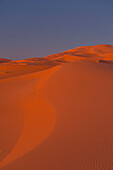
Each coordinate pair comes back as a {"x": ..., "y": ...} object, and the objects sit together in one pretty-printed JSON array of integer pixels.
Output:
[{"x": 58, "y": 115}]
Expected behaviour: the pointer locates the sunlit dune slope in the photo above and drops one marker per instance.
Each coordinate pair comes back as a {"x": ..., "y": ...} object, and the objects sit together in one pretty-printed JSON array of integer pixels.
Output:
[{"x": 64, "y": 118}]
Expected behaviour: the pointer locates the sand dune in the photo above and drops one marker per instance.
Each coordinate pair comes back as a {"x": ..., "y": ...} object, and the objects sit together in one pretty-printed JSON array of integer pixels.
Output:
[
  {"x": 58, "y": 115},
  {"x": 88, "y": 53},
  {"x": 21, "y": 67},
  {"x": 4, "y": 60}
]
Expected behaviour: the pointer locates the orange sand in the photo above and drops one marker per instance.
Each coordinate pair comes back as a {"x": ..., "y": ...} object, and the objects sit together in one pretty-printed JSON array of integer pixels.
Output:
[{"x": 57, "y": 112}]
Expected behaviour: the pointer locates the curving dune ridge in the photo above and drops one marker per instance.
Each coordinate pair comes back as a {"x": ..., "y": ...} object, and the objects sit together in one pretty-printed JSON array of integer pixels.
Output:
[{"x": 57, "y": 112}]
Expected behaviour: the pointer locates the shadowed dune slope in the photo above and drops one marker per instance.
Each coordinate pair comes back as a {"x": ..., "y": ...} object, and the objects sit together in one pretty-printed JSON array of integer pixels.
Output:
[{"x": 72, "y": 109}]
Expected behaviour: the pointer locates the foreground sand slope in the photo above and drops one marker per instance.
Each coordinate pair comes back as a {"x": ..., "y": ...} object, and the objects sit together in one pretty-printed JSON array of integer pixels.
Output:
[
  {"x": 22, "y": 113},
  {"x": 64, "y": 118}
]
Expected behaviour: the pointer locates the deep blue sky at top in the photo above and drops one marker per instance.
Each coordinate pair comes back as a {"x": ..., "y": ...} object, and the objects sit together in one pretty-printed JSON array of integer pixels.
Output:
[{"x": 42, "y": 27}]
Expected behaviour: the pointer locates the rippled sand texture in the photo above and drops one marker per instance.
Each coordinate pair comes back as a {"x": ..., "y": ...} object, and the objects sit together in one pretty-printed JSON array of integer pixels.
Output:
[{"x": 58, "y": 114}]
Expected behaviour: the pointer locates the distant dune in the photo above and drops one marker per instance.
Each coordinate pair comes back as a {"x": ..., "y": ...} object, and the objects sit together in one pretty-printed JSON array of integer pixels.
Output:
[
  {"x": 89, "y": 53},
  {"x": 4, "y": 60},
  {"x": 56, "y": 112}
]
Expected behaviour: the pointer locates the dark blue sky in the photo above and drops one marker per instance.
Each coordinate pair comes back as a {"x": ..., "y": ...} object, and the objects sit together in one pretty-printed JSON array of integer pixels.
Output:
[{"x": 42, "y": 27}]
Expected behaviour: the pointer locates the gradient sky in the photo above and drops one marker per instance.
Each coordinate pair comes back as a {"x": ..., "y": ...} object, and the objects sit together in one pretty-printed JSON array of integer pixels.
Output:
[{"x": 41, "y": 27}]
